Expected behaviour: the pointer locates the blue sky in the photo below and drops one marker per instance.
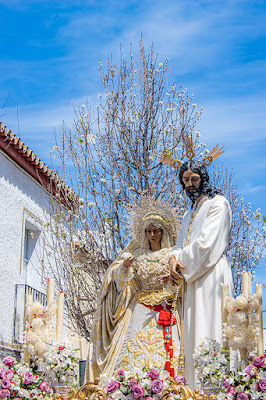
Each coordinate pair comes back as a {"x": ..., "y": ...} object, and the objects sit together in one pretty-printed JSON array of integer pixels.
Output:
[{"x": 50, "y": 52}]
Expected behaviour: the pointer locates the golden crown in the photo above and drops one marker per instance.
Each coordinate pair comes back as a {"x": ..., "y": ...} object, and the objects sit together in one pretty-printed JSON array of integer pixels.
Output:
[{"x": 167, "y": 158}]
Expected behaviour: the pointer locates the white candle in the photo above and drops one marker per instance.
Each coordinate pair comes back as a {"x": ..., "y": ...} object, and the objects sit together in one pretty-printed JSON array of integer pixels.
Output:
[
  {"x": 224, "y": 293},
  {"x": 28, "y": 304},
  {"x": 59, "y": 317},
  {"x": 260, "y": 346},
  {"x": 50, "y": 291},
  {"x": 246, "y": 283}
]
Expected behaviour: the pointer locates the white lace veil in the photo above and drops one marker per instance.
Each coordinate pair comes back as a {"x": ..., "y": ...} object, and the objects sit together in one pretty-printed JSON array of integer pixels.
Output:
[{"x": 141, "y": 241}]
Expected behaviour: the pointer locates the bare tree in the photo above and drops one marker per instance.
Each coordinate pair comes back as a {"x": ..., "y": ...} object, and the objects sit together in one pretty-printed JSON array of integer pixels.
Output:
[
  {"x": 109, "y": 158},
  {"x": 247, "y": 239}
]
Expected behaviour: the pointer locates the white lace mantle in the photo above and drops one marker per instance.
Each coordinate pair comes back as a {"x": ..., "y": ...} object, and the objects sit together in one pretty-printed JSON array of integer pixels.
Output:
[{"x": 150, "y": 265}]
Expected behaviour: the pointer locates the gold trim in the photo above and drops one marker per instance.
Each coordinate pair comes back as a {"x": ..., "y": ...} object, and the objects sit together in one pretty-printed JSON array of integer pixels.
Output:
[
  {"x": 89, "y": 390},
  {"x": 184, "y": 392},
  {"x": 193, "y": 216},
  {"x": 154, "y": 297}
]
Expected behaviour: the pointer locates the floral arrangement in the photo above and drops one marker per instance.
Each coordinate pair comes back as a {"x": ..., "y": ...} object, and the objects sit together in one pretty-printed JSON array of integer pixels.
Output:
[
  {"x": 248, "y": 384},
  {"x": 210, "y": 361},
  {"x": 241, "y": 328},
  {"x": 141, "y": 384},
  {"x": 39, "y": 328},
  {"x": 18, "y": 382},
  {"x": 59, "y": 365}
]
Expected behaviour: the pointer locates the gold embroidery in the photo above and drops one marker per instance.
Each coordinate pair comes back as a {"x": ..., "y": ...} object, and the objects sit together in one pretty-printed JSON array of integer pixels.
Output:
[
  {"x": 154, "y": 297},
  {"x": 193, "y": 216},
  {"x": 148, "y": 348}
]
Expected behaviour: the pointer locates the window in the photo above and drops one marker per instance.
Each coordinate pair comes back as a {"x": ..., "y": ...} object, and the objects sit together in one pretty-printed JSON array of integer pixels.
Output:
[{"x": 31, "y": 235}]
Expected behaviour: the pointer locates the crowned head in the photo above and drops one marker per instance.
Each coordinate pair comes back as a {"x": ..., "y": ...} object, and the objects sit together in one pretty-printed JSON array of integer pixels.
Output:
[
  {"x": 158, "y": 212},
  {"x": 158, "y": 221}
]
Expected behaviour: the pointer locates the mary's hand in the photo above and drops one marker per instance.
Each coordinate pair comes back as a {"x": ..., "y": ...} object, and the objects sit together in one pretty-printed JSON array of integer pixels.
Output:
[
  {"x": 128, "y": 262},
  {"x": 165, "y": 277}
]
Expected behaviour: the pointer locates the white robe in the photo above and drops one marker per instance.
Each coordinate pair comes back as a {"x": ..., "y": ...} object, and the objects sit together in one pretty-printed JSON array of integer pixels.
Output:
[{"x": 201, "y": 251}]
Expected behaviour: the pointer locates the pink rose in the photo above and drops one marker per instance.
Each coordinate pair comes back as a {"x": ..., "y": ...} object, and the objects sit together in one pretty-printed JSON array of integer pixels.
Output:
[
  {"x": 8, "y": 361},
  {"x": 226, "y": 382},
  {"x": 4, "y": 393},
  {"x": 262, "y": 385},
  {"x": 250, "y": 370},
  {"x": 29, "y": 378},
  {"x": 137, "y": 392},
  {"x": 113, "y": 386},
  {"x": 8, "y": 374},
  {"x": 153, "y": 373},
  {"x": 44, "y": 386},
  {"x": 17, "y": 398},
  {"x": 5, "y": 383},
  {"x": 156, "y": 386},
  {"x": 242, "y": 396},
  {"x": 231, "y": 390},
  {"x": 133, "y": 382},
  {"x": 121, "y": 372},
  {"x": 180, "y": 379},
  {"x": 258, "y": 362}
]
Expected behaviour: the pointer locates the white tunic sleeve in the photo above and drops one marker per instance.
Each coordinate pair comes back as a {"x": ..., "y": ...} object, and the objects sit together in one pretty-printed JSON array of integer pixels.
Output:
[{"x": 207, "y": 248}]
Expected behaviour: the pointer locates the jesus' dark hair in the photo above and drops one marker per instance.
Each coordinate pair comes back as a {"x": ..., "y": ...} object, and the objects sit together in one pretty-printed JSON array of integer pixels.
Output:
[{"x": 200, "y": 169}]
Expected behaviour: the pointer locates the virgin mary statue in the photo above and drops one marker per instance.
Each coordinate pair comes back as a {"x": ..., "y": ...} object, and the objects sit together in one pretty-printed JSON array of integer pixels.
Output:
[{"x": 137, "y": 322}]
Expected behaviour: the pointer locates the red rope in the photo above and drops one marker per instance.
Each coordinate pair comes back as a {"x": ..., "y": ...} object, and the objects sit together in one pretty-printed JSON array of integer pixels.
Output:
[{"x": 166, "y": 319}]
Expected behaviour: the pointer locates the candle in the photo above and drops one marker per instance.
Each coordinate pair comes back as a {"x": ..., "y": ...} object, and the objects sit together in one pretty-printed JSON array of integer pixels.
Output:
[
  {"x": 28, "y": 304},
  {"x": 50, "y": 291},
  {"x": 224, "y": 293},
  {"x": 59, "y": 317},
  {"x": 246, "y": 283},
  {"x": 260, "y": 345}
]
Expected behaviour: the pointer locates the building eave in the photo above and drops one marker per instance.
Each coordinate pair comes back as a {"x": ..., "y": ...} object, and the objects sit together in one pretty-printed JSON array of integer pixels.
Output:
[{"x": 28, "y": 161}]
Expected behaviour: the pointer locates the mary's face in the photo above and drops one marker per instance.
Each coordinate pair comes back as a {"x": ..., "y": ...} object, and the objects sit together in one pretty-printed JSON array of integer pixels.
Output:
[{"x": 153, "y": 234}]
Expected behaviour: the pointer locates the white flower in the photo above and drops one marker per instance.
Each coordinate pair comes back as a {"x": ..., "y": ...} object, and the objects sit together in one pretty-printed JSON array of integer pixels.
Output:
[
  {"x": 241, "y": 302},
  {"x": 103, "y": 180}
]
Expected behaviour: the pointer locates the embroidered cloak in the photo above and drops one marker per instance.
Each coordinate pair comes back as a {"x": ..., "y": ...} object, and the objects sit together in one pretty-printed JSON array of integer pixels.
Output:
[{"x": 125, "y": 332}]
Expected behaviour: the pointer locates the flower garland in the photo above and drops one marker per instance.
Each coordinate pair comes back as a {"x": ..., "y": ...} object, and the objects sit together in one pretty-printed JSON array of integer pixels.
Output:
[
  {"x": 241, "y": 328},
  {"x": 59, "y": 364},
  {"x": 210, "y": 361},
  {"x": 141, "y": 384},
  {"x": 39, "y": 328},
  {"x": 247, "y": 384},
  {"x": 18, "y": 382}
]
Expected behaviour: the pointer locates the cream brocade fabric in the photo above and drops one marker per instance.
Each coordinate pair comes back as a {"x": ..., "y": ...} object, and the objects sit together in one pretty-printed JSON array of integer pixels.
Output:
[{"x": 126, "y": 333}]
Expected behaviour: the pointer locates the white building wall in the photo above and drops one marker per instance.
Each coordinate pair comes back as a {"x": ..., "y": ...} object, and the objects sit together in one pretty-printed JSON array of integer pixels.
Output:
[{"x": 22, "y": 201}]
